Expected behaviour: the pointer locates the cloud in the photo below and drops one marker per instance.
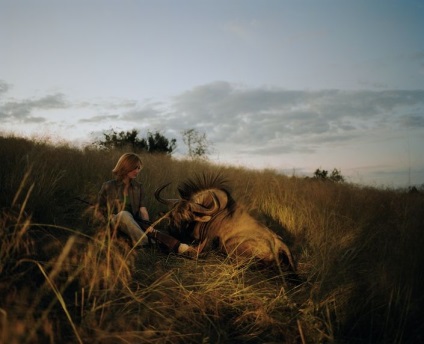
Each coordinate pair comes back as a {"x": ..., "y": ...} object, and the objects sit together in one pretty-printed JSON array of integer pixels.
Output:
[
  {"x": 147, "y": 112},
  {"x": 107, "y": 104},
  {"x": 245, "y": 120},
  {"x": 99, "y": 119},
  {"x": 21, "y": 110},
  {"x": 274, "y": 119},
  {"x": 55, "y": 101},
  {"x": 127, "y": 115},
  {"x": 4, "y": 87},
  {"x": 412, "y": 121}
]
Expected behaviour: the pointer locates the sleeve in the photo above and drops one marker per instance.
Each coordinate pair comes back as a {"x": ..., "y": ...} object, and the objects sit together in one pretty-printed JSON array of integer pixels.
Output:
[
  {"x": 168, "y": 241},
  {"x": 142, "y": 197},
  {"x": 102, "y": 200}
]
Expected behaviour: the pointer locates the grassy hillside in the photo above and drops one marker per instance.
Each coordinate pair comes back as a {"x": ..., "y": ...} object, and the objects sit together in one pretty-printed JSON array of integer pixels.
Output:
[{"x": 65, "y": 279}]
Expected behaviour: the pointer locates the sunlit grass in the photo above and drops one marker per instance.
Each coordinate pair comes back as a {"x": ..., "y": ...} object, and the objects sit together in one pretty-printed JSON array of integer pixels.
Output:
[{"x": 66, "y": 279}]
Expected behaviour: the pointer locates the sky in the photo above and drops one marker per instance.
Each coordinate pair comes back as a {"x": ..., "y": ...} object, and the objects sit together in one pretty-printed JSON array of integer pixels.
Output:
[{"x": 289, "y": 85}]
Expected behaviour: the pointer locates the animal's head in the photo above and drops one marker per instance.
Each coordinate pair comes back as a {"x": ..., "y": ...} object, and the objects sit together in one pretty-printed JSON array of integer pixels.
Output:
[
  {"x": 184, "y": 215},
  {"x": 200, "y": 200},
  {"x": 184, "y": 212}
]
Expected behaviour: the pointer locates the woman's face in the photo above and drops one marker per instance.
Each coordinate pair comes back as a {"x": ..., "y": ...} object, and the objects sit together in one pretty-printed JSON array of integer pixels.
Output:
[{"x": 133, "y": 174}]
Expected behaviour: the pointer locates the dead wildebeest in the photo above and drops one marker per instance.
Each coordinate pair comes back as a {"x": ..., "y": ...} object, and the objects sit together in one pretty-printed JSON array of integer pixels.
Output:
[{"x": 207, "y": 214}]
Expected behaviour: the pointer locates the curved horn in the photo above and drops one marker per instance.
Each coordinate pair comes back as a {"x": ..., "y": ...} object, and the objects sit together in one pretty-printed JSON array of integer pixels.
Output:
[
  {"x": 198, "y": 208},
  {"x": 169, "y": 202}
]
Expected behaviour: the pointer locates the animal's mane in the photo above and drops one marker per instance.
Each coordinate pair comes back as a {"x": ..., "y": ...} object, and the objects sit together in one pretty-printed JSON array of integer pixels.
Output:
[{"x": 201, "y": 182}]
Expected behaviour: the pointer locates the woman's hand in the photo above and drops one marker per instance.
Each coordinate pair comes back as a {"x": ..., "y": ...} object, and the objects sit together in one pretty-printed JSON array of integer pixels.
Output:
[{"x": 187, "y": 251}]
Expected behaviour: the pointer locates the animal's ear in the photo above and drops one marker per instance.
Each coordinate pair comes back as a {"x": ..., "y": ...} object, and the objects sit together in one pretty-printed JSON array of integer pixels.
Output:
[{"x": 204, "y": 218}]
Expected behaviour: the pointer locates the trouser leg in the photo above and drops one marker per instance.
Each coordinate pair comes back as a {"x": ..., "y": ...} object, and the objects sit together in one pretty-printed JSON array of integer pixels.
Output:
[
  {"x": 126, "y": 223},
  {"x": 170, "y": 242}
]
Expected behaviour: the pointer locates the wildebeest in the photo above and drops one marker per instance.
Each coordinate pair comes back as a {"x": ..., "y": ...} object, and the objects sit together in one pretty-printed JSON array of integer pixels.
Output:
[{"x": 207, "y": 213}]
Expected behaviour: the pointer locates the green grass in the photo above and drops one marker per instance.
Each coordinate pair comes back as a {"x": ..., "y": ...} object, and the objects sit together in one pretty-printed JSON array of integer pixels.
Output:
[{"x": 65, "y": 279}]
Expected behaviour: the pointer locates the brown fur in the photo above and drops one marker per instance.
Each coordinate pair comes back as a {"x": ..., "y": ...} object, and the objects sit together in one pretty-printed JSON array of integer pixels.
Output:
[{"x": 207, "y": 213}]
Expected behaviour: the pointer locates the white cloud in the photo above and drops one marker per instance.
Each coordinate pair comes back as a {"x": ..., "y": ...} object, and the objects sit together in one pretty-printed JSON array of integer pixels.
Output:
[
  {"x": 22, "y": 110},
  {"x": 99, "y": 119},
  {"x": 266, "y": 117}
]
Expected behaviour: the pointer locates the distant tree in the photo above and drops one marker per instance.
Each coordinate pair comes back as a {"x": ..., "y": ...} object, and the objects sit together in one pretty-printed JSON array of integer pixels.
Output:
[
  {"x": 154, "y": 143},
  {"x": 413, "y": 190},
  {"x": 113, "y": 139},
  {"x": 157, "y": 143},
  {"x": 335, "y": 175},
  {"x": 197, "y": 143},
  {"x": 320, "y": 174}
]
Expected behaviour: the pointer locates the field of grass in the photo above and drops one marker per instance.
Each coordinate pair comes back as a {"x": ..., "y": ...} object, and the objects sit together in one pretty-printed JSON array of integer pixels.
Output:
[{"x": 66, "y": 279}]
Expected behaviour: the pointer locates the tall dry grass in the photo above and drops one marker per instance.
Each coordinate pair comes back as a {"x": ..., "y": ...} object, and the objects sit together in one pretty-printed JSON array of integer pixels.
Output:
[{"x": 65, "y": 279}]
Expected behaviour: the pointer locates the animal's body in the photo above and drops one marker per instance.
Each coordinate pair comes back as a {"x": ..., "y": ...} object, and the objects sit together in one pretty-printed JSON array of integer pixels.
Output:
[{"x": 207, "y": 213}]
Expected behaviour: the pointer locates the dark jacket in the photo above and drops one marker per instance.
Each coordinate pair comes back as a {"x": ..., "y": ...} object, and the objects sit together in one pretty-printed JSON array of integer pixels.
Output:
[{"x": 111, "y": 197}]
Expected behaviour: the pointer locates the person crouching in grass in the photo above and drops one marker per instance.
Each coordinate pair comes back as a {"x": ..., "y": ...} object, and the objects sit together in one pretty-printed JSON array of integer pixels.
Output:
[{"x": 121, "y": 201}]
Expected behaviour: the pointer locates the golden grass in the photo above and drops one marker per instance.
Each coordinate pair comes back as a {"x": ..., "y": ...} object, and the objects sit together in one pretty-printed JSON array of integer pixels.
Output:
[{"x": 65, "y": 279}]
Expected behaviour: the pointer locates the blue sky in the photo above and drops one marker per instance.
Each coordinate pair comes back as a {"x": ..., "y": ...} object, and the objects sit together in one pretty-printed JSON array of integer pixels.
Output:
[{"x": 289, "y": 85}]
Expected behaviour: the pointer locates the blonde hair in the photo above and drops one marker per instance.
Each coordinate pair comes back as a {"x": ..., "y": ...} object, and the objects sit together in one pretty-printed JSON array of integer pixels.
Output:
[{"x": 126, "y": 163}]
